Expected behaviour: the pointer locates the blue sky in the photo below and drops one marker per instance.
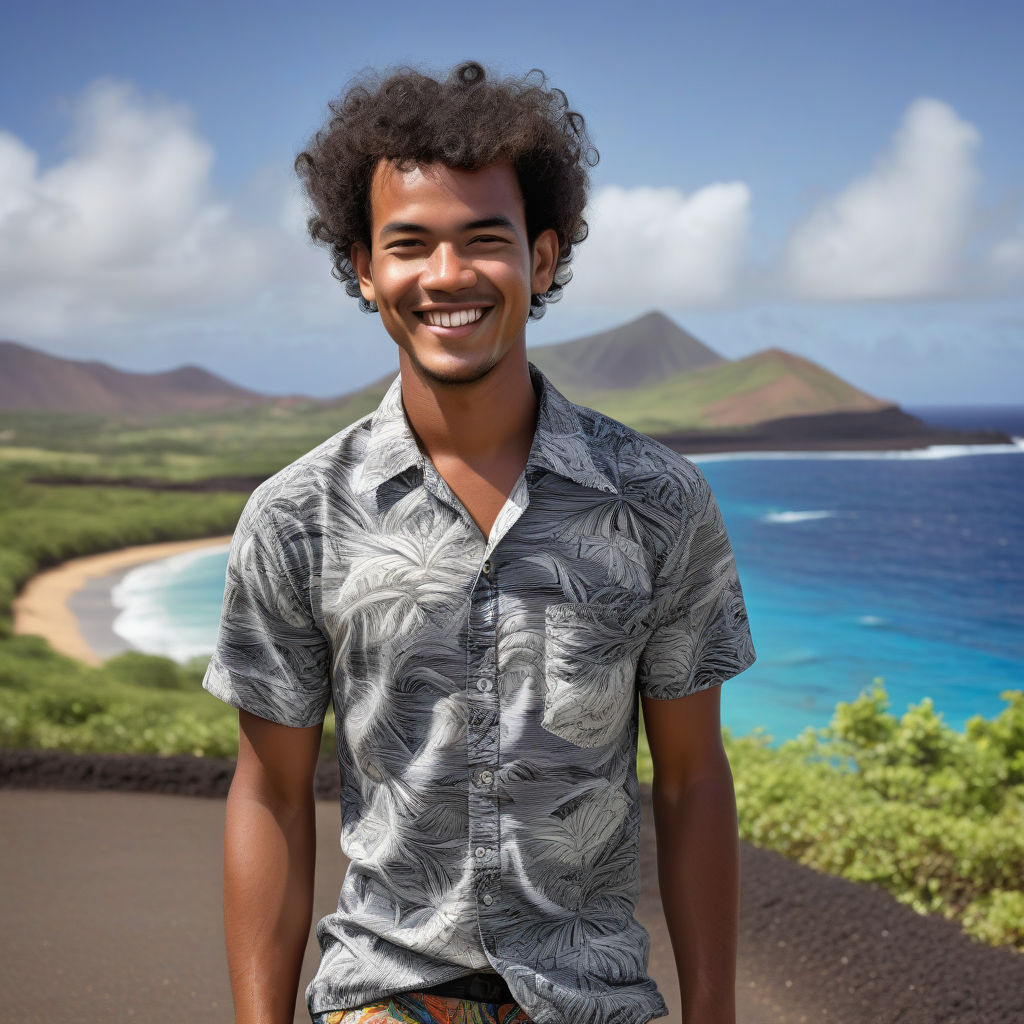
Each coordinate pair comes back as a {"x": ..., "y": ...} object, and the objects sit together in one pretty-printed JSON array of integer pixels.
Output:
[{"x": 845, "y": 182}]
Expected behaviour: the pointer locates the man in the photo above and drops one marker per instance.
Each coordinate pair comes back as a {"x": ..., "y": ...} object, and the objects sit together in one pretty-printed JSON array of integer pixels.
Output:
[{"x": 483, "y": 577}]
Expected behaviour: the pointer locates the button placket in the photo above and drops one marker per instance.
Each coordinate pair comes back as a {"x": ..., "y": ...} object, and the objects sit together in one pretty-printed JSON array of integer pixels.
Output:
[{"x": 482, "y": 740}]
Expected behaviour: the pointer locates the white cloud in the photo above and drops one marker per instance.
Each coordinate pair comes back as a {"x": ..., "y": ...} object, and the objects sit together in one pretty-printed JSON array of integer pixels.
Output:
[
  {"x": 900, "y": 231},
  {"x": 1006, "y": 258},
  {"x": 659, "y": 247},
  {"x": 127, "y": 232},
  {"x": 125, "y": 240}
]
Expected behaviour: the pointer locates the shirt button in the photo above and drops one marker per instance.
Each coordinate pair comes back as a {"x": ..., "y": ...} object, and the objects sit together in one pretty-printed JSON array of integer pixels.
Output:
[
  {"x": 487, "y": 567},
  {"x": 488, "y": 899},
  {"x": 486, "y": 777},
  {"x": 480, "y": 851},
  {"x": 483, "y": 684}
]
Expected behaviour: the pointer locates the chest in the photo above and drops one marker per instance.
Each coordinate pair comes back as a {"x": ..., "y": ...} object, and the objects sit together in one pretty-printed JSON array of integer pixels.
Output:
[{"x": 482, "y": 490}]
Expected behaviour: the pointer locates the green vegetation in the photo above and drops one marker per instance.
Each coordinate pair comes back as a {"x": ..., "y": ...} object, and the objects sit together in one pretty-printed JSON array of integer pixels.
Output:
[
  {"x": 41, "y": 526},
  {"x": 680, "y": 402},
  {"x": 934, "y": 816},
  {"x": 247, "y": 441},
  {"x": 137, "y": 704}
]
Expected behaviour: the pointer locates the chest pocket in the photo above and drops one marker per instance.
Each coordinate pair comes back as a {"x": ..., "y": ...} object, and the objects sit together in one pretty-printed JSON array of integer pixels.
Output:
[
  {"x": 621, "y": 560},
  {"x": 590, "y": 657}
]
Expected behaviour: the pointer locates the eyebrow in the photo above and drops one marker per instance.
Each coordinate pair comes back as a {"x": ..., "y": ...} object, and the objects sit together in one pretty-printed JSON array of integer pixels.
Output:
[{"x": 404, "y": 227}]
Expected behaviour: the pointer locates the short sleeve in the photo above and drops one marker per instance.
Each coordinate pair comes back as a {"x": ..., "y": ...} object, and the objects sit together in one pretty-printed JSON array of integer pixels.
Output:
[
  {"x": 701, "y": 635},
  {"x": 270, "y": 658}
]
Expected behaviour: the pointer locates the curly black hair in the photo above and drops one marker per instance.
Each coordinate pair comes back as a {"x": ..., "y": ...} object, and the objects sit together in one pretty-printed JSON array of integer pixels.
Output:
[{"x": 465, "y": 122}]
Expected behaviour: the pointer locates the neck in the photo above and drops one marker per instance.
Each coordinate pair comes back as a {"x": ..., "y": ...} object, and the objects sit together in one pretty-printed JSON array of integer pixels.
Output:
[{"x": 490, "y": 419}]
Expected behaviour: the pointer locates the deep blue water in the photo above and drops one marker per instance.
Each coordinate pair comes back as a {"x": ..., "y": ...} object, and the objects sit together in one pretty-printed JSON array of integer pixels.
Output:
[{"x": 906, "y": 566}]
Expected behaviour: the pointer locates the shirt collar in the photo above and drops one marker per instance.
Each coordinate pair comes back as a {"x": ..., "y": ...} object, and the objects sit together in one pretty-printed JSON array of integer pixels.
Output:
[{"x": 560, "y": 443}]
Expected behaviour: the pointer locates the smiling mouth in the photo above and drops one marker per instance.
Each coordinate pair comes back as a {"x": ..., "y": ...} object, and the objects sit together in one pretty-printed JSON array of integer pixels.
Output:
[{"x": 452, "y": 318}]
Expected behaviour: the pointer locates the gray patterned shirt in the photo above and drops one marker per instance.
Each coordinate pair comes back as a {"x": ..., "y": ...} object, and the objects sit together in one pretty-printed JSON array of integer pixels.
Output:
[{"x": 485, "y": 693}]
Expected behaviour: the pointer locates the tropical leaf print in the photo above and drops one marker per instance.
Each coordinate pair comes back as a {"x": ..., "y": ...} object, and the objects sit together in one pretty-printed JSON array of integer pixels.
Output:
[
  {"x": 590, "y": 663},
  {"x": 486, "y": 695}
]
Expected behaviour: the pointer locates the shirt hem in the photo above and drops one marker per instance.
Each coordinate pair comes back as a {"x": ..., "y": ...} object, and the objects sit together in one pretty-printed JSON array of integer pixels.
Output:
[{"x": 218, "y": 683}]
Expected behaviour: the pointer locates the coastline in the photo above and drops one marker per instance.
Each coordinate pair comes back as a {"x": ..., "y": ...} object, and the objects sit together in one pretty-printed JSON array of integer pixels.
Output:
[
  {"x": 42, "y": 608},
  {"x": 70, "y": 604}
]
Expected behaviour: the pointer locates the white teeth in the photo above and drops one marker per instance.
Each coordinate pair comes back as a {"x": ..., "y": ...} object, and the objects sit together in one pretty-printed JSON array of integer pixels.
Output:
[{"x": 459, "y": 318}]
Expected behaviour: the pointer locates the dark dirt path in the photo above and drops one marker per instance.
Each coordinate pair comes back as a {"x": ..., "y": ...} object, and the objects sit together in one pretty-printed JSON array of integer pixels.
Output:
[{"x": 111, "y": 911}]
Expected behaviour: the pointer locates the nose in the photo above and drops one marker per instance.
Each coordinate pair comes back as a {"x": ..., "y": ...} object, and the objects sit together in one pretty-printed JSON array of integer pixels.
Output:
[{"x": 446, "y": 270}]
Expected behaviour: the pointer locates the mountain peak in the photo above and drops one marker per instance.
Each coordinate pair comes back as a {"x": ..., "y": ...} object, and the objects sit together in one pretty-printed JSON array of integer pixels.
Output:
[
  {"x": 33, "y": 379},
  {"x": 642, "y": 351}
]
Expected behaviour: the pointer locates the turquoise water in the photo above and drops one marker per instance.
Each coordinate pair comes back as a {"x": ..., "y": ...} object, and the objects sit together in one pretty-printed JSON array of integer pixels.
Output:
[{"x": 904, "y": 565}]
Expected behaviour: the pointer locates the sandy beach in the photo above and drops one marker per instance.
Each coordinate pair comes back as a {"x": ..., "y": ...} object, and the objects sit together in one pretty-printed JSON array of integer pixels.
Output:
[{"x": 43, "y": 608}]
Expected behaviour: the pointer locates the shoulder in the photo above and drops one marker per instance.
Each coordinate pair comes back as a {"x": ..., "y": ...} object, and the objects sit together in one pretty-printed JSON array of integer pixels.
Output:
[
  {"x": 643, "y": 468},
  {"x": 298, "y": 490}
]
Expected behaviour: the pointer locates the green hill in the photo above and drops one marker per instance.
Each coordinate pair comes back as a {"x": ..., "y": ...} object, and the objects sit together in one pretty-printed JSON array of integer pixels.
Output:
[{"x": 731, "y": 393}]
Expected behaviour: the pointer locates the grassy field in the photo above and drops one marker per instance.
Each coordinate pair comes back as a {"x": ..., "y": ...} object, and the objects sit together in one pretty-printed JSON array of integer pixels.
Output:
[{"x": 240, "y": 442}]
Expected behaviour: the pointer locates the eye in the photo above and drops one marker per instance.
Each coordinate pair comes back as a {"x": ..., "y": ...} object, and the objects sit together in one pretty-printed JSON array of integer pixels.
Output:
[
  {"x": 489, "y": 238},
  {"x": 403, "y": 243}
]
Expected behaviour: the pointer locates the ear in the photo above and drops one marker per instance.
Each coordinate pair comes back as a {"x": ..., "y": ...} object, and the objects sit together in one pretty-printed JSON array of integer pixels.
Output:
[
  {"x": 361, "y": 264},
  {"x": 545, "y": 259}
]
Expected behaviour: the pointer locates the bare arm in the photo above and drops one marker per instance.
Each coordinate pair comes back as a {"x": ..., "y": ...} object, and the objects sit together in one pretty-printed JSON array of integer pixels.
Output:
[
  {"x": 698, "y": 850},
  {"x": 269, "y": 862}
]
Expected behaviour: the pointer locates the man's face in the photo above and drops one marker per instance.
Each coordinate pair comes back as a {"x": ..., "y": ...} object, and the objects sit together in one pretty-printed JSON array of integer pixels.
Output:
[{"x": 450, "y": 266}]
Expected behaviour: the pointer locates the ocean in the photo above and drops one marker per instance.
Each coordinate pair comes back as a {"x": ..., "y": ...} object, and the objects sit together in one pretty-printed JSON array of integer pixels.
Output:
[{"x": 906, "y": 566}]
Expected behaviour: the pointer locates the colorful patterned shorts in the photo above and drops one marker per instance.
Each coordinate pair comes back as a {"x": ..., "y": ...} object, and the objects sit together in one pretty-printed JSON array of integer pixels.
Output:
[{"x": 426, "y": 1008}]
